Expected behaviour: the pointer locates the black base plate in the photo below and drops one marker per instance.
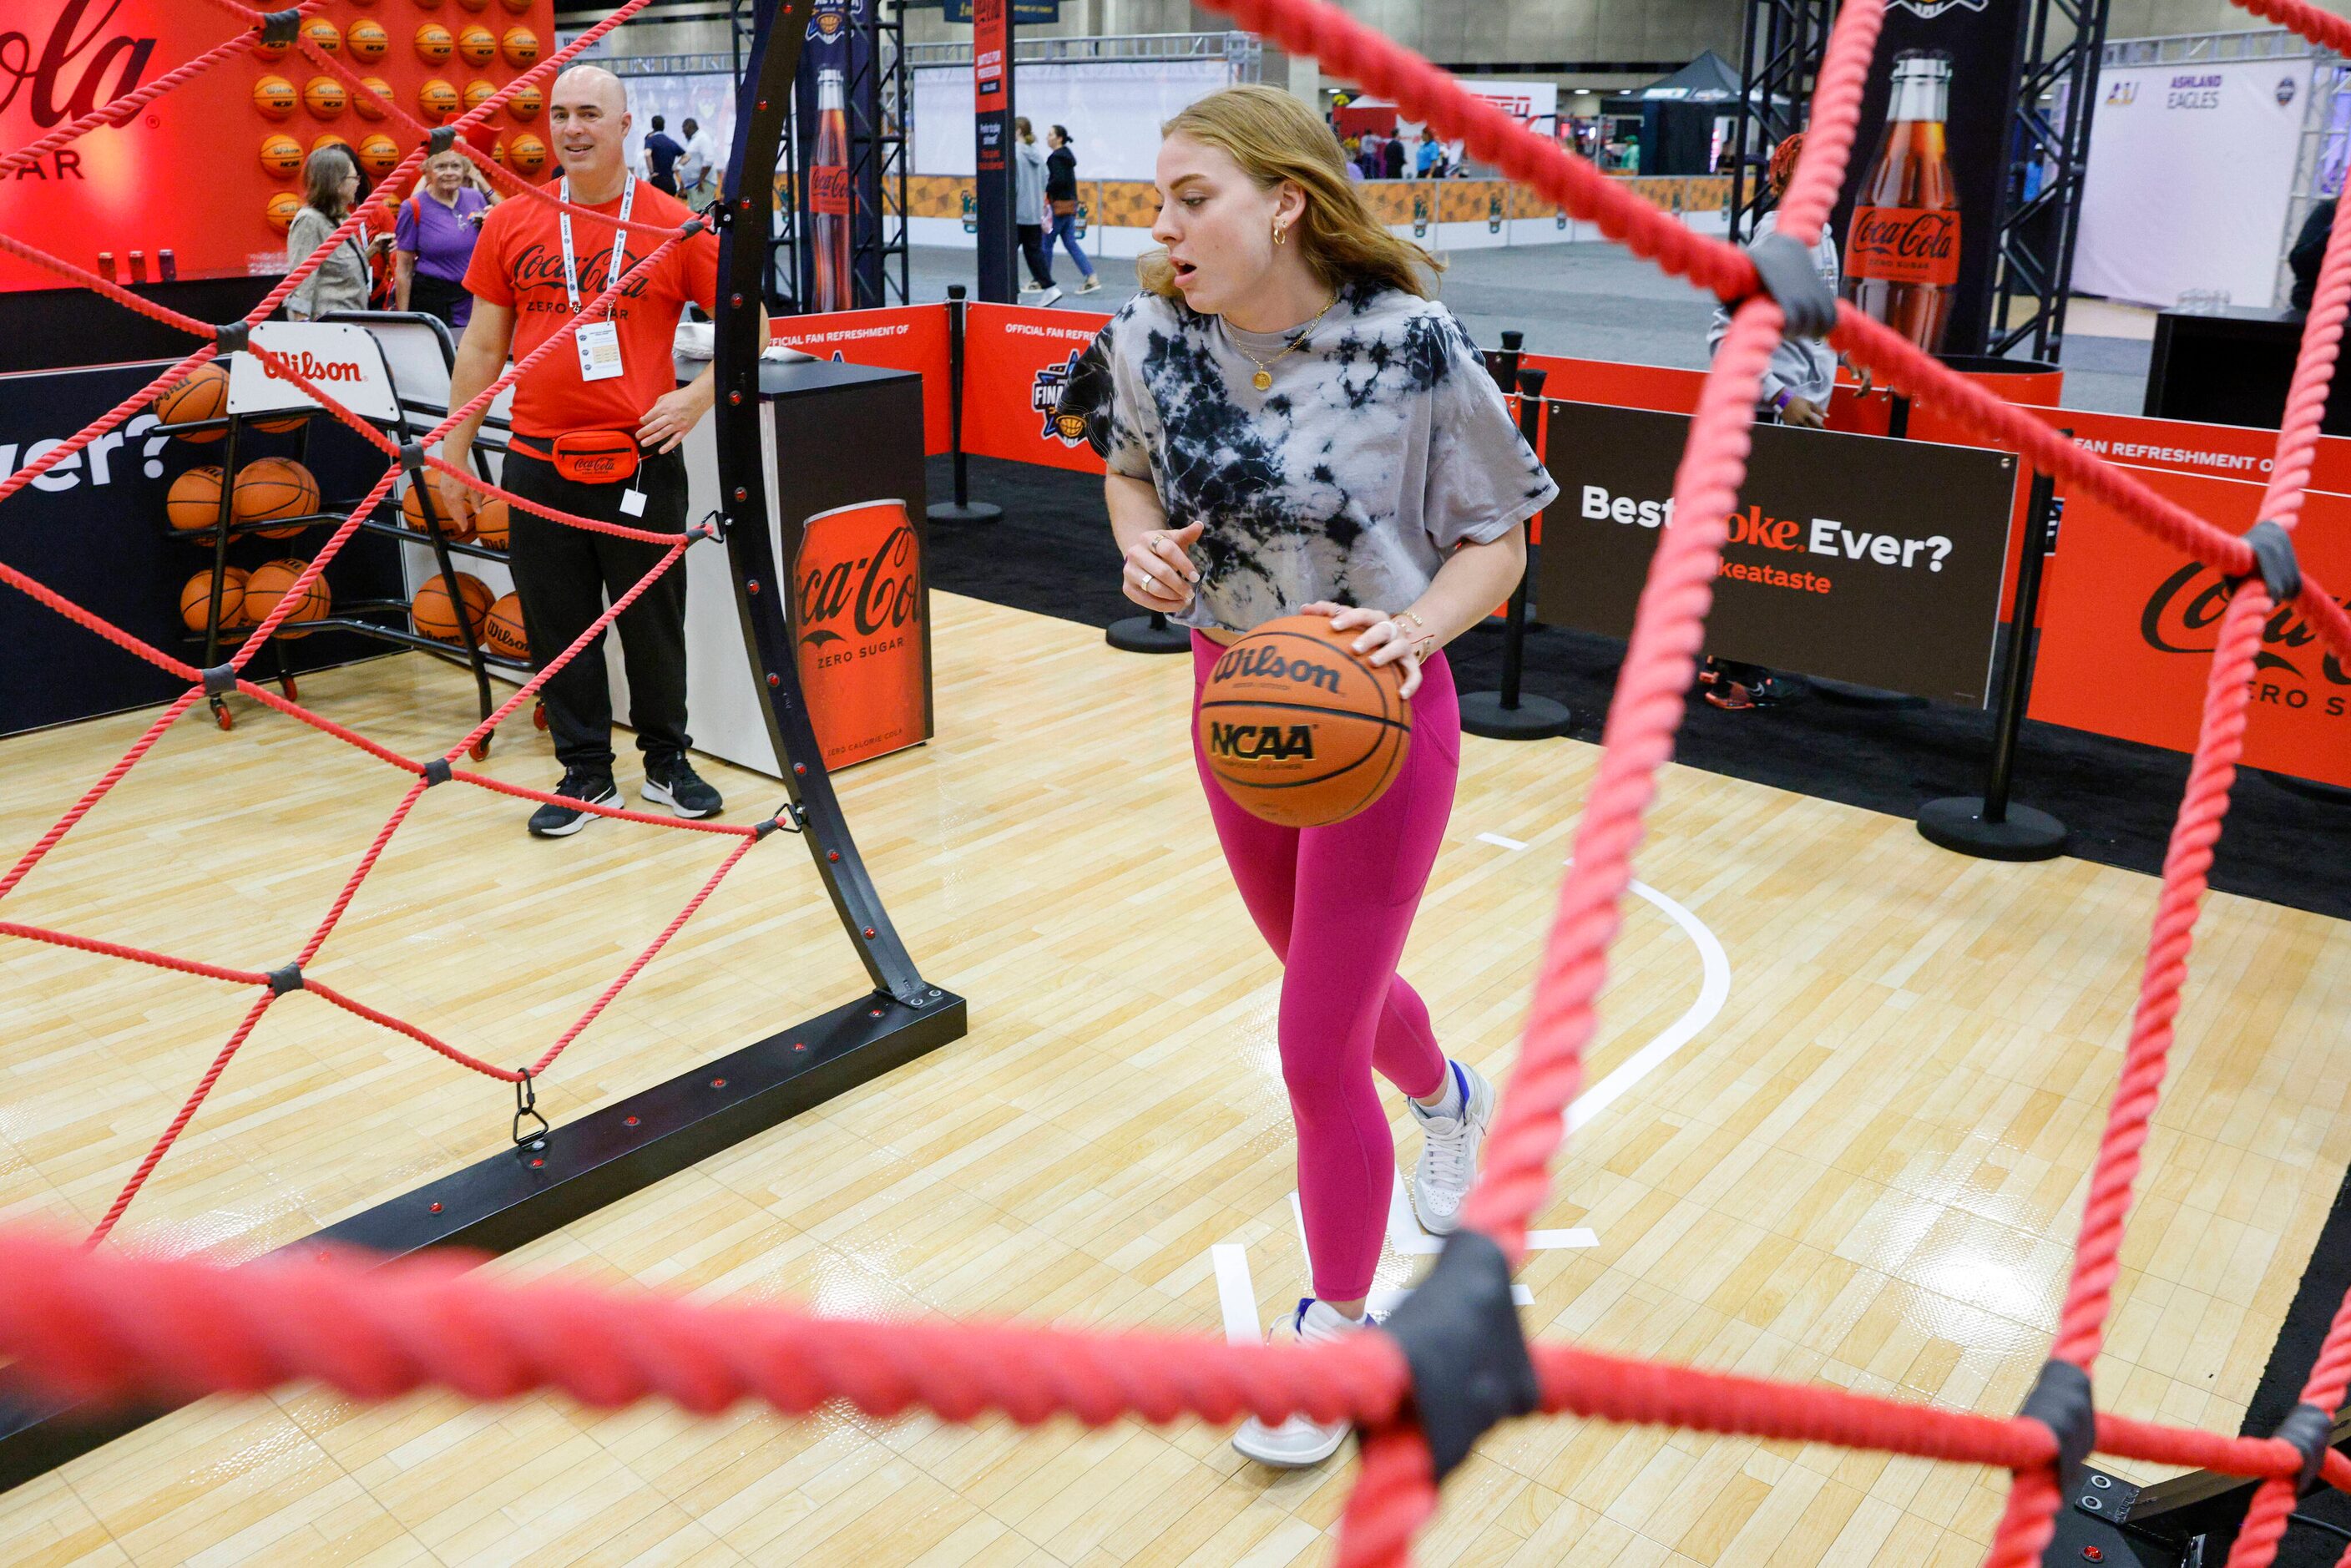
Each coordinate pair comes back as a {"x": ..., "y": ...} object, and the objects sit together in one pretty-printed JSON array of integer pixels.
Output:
[
  {"x": 1861, "y": 696},
  {"x": 1955, "y": 822},
  {"x": 1535, "y": 718},
  {"x": 2086, "y": 1524},
  {"x": 1141, "y": 634},
  {"x": 521, "y": 1194},
  {"x": 970, "y": 512}
]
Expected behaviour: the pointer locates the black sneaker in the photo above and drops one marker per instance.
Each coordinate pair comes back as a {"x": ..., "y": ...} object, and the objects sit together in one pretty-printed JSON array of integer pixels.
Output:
[
  {"x": 554, "y": 821},
  {"x": 672, "y": 782}
]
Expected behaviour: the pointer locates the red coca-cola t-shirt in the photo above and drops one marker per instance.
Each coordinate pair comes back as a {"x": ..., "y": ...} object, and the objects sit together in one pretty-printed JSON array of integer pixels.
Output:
[{"x": 518, "y": 263}]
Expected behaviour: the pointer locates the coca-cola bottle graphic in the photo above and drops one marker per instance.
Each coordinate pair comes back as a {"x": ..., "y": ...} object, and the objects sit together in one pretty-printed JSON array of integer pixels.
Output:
[
  {"x": 829, "y": 203},
  {"x": 1902, "y": 254}
]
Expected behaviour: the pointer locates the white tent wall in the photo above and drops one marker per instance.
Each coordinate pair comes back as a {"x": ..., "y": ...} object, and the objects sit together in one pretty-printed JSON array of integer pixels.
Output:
[
  {"x": 2192, "y": 172},
  {"x": 1113, "y": 110}
]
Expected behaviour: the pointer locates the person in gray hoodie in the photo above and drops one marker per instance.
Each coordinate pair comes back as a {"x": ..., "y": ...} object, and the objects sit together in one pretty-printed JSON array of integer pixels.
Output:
[{"x": 1028, "y": 210}]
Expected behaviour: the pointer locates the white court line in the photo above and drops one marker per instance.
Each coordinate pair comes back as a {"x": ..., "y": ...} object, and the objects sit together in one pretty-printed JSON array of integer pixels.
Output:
[
  {"x": 1500, "y": 842},
  {"x": 1236, "y": 1292},
  {"x": 1714, "y": 990}
]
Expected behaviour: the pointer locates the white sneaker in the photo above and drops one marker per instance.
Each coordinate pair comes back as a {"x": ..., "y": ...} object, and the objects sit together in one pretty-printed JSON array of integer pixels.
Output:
[
  {"x": 1449, "y": 1153},
  {"x": 1093, "y": 284},
  {"x": 1298, "y": 1442},
  {"x": 1051, "y": 296},
  {"x": 1028, "y": 289}
]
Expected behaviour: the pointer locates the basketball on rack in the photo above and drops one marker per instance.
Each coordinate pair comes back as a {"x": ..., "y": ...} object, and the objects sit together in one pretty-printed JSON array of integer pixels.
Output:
[
  {"x": 368, "y": 39},
  {"x": 525, "y": 102},
  {"x": 479, "y": 92},
  {"x": 473, "y": 5},
  {"x": 271, "y": 487},
  {"x": 379, "y": 154},
  {"x": 1297, "y": 728},
  {"x": 503, "y": 632},
  {"x": 477, "y": 44},
  {"x": 430, "y": 607},
  {"x": 521, "y": 46},
  {"x": 197, "y": 598},
  {"x": 281, "y": 155},
  {"x": 434, "y": 43},
  {"x": 437, "y": 98},
  {"x": 279, "y": 210},
  {"x": 265, "y": 585},
  {"x": 490, "y": 524},
  {"x": 194, "y": 500},
  {"x": 325, "y": 97},
  {"x": 203, "y": 396},
  {"x": 530, "y": 153},
  {"x": 275, "y": 97},
  {"x": 369, "y": 105},
  {"x": 411, "y": 512}
]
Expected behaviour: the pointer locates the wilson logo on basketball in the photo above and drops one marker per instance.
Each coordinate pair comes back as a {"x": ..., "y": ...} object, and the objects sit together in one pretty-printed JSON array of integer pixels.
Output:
[
  {"x": 73, "y": 41},
  {"x": 1265, "y": 664},
  {"x": 310, "y": 367},
  {"x": 1261, "y": 742}
]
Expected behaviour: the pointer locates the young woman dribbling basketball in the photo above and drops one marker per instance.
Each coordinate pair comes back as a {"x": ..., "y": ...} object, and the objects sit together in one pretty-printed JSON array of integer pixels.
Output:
[{"x": 1294, "y": 427}]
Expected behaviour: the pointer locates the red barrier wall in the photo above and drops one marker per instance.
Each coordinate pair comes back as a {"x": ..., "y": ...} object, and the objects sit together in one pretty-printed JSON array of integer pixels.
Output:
[
  {"x": 1015, "y": 362},
  {"x": 904, "y": 337}
]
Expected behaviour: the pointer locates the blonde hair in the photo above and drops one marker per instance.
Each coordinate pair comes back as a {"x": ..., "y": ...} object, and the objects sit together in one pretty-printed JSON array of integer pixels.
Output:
[{"x": 1274, "y": 137}]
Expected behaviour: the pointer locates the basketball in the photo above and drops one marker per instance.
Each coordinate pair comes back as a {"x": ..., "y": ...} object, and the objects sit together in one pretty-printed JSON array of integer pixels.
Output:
[
  {"x": 434, "y": 43},
  {"x": 525, "y": 102},
  {"x": 281, "y": 155},
  {"x": 430, "y": 607},
  {"x": 490, "y": 524},
  {"x": 477, "y": 44},
  {"x": 479, "y": 92},
  {"x": 268, "y": 584},
  {"x": 197, "y": 598},
  {"x": 498, "y": 151},
  {"x": 503, "y": 632},
  {"x": 369, "y": 105},
  {"x": 327, "y": 139},
  {"x": 379, "y": 154},
  {"x": 437, "y": 98},
  {"x": 473, "y": 5},
  {"x": 1298, "y": 729},
  {"x": 521, "y": 46},
  {"x": 271, "y": 51},
  {"x": 325, "y": 97},
  {"x": 411, "y": 512},
  {"x": 194, "y": 500},
  {"x": 529, "y": 153},
  {"x": 516, "y": 6},
  {"x": 369, "y": 40},
  {"x": 324, "y": 34},
  {"x": 270, "y": 488},
  {"x": 275, "y": 97},
  {"x": 203, "y": 396},
  {"x": 278, "y": 423}
]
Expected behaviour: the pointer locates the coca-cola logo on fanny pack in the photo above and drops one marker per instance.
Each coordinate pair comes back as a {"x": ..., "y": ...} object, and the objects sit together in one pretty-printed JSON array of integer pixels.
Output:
[
  {"x": 2183, "y": 616},
  {"x": 65, "y": 75}
]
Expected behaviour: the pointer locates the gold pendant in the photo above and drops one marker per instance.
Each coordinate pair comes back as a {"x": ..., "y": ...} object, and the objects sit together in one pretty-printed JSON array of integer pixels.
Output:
[{"x": 1263, "y": 380}]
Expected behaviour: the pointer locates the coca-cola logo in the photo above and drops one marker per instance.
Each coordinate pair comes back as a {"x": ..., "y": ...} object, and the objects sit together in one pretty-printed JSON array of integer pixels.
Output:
[
  {"x": 66, "y": 75},
  {"x": 310, "y": 367},
  {"x": 2183, "y": 616},
  {"x": 829, "y": 188},
  {"x": 1910, "y": 234},
  {"x": 875, "y": 593}
]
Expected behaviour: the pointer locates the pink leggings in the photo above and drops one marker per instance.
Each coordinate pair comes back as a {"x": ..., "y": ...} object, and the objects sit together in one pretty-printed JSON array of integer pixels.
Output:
[{"x": 1336, "y": 905}]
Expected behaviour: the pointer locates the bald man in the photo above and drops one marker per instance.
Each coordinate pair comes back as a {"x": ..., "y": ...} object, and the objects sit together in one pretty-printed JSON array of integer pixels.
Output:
[{"x": 615, "y": 391}]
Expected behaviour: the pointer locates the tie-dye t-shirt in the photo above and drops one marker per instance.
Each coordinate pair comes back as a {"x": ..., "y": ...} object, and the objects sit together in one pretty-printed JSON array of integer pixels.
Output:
[{"x": 1381, "y": 445}]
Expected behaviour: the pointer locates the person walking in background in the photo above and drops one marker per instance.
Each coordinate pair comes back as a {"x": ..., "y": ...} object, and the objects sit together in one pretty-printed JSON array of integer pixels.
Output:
[
  {"x": 1392, "y": 158},
  {"x": 1795, "y": 391},
  {"x": 1028, "y": 211},
  {"x": 1061, "y": 196},
  {"x": 697, "y": 170},
  {"x": 433, "y": 239},
  {"x": 330, "y": 186},
  {"x": 662, "y": 153}
]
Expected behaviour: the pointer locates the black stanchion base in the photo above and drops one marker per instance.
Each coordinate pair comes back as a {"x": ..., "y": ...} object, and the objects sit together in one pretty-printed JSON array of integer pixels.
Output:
[
  {"x": 974, "y": 512},
  {"x": 1862, "y": 697},
  {"x": 1956, "y": 824},
  {"x": 1535, "y": 718},
  {"x": 1148, "y": 634}
]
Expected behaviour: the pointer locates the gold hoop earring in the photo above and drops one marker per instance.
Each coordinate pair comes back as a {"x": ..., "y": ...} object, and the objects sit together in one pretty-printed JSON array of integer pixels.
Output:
[{"x": 1277, "y": 233}]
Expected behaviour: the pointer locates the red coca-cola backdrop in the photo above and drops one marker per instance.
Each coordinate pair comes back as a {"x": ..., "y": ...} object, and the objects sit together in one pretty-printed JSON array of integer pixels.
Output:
[{"x": 195, "y": 173}]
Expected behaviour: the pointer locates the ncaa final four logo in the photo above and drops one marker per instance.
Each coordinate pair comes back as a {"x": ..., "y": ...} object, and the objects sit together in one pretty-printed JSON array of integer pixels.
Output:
[{"x": 1067, "y": 426}]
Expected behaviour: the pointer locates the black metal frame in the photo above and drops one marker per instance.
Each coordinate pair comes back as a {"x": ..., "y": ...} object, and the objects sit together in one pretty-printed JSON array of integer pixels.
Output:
[
  {"x": 545, "y": 1182},
  {"x": 1780, "y": 48},
  {"x": 885, "y": 149}
]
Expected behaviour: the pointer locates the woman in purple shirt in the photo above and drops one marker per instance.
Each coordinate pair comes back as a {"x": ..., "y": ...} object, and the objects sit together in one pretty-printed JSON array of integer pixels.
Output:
[{"x": 434, "y": 238}]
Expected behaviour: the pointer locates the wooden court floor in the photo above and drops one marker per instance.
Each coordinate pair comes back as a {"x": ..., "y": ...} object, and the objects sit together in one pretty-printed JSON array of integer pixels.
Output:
[{"x": 1864, "y": 1169}]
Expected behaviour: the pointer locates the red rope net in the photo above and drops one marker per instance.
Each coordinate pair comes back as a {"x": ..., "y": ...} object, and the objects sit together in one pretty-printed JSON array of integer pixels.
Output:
[{"x": 87, "y": 1324}]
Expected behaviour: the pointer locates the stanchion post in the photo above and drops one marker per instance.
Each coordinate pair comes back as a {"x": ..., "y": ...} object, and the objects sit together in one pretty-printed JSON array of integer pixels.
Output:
[
  {"x": 963, "y": 508},
  {"x": 1991, "y": 825},
  {"x": 1508, "y": 714}
]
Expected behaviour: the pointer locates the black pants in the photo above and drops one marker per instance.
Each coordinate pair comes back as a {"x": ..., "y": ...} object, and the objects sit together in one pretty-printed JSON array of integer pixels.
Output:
[
  {"x": 567, "y": 575},
  {"x": 1032, "y": 250},
  {"x": 437, "y": 297},
  {"x": 665, "y": 184}
]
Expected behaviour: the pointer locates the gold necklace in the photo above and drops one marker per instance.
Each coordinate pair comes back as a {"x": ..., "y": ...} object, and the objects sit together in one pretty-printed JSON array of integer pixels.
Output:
[{"x": 1264, "y": 377}]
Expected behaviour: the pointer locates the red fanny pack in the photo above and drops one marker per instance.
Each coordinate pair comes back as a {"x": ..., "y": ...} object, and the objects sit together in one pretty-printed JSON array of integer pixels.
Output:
[{"x": 587, "y": 456}]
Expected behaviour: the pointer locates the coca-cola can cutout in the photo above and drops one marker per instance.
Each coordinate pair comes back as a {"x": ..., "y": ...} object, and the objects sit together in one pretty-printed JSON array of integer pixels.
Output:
[{"x": 857, "y": 630}]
